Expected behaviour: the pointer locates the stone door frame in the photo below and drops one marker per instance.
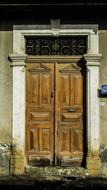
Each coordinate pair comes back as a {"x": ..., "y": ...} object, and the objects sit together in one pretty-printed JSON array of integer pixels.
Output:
[{"x": 18, "y": 59}]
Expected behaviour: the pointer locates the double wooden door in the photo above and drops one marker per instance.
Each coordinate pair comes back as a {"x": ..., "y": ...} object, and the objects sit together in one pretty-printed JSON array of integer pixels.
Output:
[{"x": 54, "y": 113}]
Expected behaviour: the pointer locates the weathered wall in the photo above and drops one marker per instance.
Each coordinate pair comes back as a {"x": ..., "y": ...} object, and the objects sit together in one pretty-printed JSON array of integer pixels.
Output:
[
  {"x": 5, "y": 86},
  {"x": 5, "y": 99},
  {"x": 103, "y": 101},
  {"x": 103, "y": 80}
]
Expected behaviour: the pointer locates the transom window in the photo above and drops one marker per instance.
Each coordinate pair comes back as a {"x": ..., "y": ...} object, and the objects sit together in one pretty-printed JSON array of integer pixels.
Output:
[{"x": 63, "y": 45}]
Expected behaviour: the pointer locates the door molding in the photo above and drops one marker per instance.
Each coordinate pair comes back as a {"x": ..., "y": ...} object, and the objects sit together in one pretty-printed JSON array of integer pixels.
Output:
[{"x": 19, "y": 58}]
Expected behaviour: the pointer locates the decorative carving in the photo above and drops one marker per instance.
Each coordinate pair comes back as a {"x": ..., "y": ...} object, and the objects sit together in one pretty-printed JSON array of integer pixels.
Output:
[
  {"x": 73, "y": 45},
  {"x": 39, "y": 68},
  {"x": 70, "y": 68}
]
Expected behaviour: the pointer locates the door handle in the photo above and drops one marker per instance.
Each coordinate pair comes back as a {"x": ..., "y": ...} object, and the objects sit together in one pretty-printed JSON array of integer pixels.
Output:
[{"x": 71, "y": 110}]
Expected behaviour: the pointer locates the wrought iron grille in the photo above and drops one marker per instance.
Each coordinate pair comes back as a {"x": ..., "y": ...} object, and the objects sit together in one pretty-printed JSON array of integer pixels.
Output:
[{"x": 74, "y": 45}]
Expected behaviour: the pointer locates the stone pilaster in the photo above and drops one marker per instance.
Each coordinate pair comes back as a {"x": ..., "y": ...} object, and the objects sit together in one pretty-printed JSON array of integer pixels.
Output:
[
  {"x": 18, "y": 117},
  {"x": 93, "y": 115}
]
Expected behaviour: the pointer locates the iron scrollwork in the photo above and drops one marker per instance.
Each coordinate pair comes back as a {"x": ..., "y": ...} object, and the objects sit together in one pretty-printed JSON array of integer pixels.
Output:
[{"x": 74, "y": 45}]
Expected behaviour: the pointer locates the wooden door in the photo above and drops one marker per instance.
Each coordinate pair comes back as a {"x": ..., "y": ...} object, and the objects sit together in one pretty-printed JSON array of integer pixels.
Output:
[
  {"x": 54, "y": 118},
  {"x": 69, "y": 114},
  {"x": 40, "y": 113}
]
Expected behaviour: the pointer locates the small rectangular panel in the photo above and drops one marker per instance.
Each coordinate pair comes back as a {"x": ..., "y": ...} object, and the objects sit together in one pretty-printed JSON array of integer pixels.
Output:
[
  {"x": 45, "y": 88},
  {"x": 71, "y": 138},
  {"x": 40, "y": 125},
  {"x": 34, "y": 88},
  {"x": 70, "y": 125},
  {"x": 65, "y": 140},
  {"x": 74, "y": 117},
  {"x": 40, "y": 116},
  {"x": 78, "y": 90},
  {"x": 72, "y": 90},
  {"x": 65, "y": 90},
  {"x": 38, "y": 161},
  {"x": 31, "y": 140},
  {"x": 34, "y": 139},
  {"x": 77, "y": 140},
  {"x": 45, "y": 142}
]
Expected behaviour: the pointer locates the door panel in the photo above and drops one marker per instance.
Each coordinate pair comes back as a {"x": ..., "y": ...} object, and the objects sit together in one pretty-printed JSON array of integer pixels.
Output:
[
  {"x": 54, "y": 113},
  {"x": 40, "y": 112},
  {"x": 69, "y": 108}
]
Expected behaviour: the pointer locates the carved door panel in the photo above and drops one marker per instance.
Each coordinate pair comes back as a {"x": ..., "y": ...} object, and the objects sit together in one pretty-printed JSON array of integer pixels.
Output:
[
  {"x": 40, "y": 112},
  {"x": 54, "y": 113},
  {"x": 69, "y": 114}
]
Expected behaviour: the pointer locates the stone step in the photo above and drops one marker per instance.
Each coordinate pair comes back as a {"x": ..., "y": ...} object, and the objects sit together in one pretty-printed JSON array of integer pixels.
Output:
[{"x": 56, "y": 172}]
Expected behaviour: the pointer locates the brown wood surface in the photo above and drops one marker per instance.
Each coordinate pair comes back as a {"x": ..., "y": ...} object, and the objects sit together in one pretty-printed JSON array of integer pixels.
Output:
[
  {"x": 40, "y": 110},
  {"x": 69, "y": 112},
  {"x": 54, "y": 112}
]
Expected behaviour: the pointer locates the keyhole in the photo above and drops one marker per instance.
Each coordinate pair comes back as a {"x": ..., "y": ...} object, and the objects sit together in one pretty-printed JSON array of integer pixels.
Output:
[{"x": 52, "y": 94}]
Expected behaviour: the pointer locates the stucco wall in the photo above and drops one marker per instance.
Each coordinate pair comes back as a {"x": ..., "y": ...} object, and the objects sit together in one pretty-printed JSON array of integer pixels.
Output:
[
  {"x": 103, "y": 101},
  {"x": 5, "y": 86},
  {"x": 5, "y": 100},
  {"x": 103, "y": 80}
]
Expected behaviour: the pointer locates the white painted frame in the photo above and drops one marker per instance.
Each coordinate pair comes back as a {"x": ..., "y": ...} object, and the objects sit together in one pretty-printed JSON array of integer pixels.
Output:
[{"x": 18, "y": 62}]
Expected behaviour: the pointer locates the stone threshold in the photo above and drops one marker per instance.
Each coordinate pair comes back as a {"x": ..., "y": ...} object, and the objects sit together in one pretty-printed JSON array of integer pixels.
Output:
[{"x": 55, "y": 172}]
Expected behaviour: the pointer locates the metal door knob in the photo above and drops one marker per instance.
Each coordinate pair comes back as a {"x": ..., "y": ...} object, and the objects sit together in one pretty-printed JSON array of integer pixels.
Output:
[{"x": 71, "y": 110}]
